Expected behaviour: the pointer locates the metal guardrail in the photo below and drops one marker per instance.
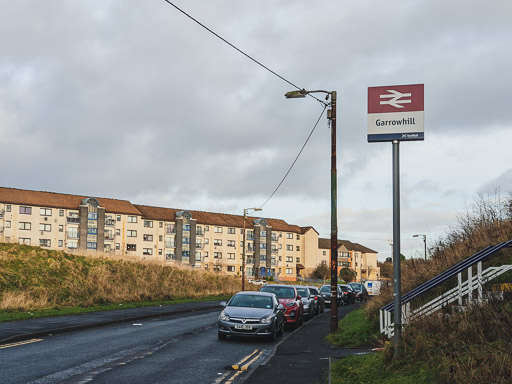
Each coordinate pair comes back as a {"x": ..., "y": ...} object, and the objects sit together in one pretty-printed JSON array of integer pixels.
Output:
[{"x": 455, "y": 294}]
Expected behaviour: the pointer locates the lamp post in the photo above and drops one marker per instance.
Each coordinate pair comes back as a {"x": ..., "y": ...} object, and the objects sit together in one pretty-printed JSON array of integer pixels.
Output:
[
  {"x": 424, "y": 241},
  {"x": 331, "y": 115},
  {"x": 246, "y": 211}
]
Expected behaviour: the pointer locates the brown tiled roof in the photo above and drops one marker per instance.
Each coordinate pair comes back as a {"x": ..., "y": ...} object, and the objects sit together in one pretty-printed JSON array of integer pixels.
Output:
[
  {"x": 61, "y": 200},
  {"x": 303, "y": 230},
  {"x": 326, "y": 244},
  {"x": 210, "y": 218}
]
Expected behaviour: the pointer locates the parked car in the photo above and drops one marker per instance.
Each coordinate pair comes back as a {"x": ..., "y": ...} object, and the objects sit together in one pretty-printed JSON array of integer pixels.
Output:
[
  {"x": 349, "y": 296},
  {"x": 373, "y": 287},
  {"x": 325, "y": 291},
  {"x": 360, "y": 291},
  {"x": 307, "y": 301},
  {"x": 290, "y": 299},
  {"x": 252, "y": 313},
  {"x": 319, "y": 300}
]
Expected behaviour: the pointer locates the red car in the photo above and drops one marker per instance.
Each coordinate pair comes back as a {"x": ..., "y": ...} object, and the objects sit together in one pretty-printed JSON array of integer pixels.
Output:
[{"x": 290, "y": 299}]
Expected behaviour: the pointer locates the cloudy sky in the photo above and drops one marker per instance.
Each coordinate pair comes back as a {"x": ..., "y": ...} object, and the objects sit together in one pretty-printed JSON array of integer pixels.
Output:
[{"x": 133, "y": 100}]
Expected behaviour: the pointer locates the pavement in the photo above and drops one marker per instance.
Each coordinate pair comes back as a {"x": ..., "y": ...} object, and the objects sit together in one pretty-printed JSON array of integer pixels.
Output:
[{"x": 302, "y": 356}]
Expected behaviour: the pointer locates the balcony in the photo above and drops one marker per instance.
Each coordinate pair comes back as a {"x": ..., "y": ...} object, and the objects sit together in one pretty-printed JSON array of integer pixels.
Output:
[
  {"x": 199, "y": 246},
  {"x": 199, "y": 233},
  {"x": 109, "y": 223},
  {"x": 73, "y": 220}
]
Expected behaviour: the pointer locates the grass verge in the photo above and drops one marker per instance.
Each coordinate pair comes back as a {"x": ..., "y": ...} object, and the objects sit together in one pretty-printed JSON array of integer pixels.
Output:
[
  {"x": 54, "y": 312},
  {"x": 355, "y": 330}
]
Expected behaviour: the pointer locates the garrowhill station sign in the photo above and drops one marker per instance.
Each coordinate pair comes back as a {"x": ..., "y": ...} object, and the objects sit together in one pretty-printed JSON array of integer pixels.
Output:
[{"x": 396, "y": 113}]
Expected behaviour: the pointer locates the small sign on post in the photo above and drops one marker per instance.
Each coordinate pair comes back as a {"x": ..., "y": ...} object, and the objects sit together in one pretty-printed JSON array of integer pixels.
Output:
[{"x": 395, "y": 113}]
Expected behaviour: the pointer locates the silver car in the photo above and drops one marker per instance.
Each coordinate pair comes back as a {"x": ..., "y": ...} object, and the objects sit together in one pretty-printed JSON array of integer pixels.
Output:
[{"x": 256, "y": 314}]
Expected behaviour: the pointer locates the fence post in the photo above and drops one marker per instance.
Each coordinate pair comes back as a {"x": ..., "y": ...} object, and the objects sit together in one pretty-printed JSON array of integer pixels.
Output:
[
  {"x": 479, "y": 276},
  {"x": 470, "y": 285},
  {"x": 459, "y": 278}
]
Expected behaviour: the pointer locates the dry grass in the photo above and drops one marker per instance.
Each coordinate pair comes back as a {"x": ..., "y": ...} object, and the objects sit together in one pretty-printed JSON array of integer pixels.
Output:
[{"x": 33, "y": 278}]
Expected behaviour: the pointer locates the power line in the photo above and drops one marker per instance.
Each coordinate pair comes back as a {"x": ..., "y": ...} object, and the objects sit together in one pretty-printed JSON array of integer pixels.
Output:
[
  {"x": 296, "y": 158},
  {"x": 239, "y": 50}
]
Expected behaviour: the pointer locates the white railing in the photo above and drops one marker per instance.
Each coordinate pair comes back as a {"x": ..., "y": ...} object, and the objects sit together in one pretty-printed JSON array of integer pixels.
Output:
[{"x": 463, "y": 289}]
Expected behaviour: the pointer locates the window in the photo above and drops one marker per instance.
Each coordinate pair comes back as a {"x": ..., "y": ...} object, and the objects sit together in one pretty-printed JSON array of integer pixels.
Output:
[
  {"x": 297, "y": 259},
  {"x": 118, "y": 232},
  {"x": 231, "y": 231},
  {"x": 298, "y": 236},
  {"x": 217, "y": 255},
  {"x": 147, "y": 251},
  {"x": 231, "y": 256},
  {"x": 160, "y": 238},
  {"x": 118, "y": 217},
  {"x": 8, "y": 208},
  {"x": 45, "y": 242},
  {"x": 24, "y": 240},
  {"x": 217, "y": 242},
  {"x": 206, "y": 228},
  {"x": 230, "y": 268},
  {"x": 186, "y": 240},
  {"x": 263, "y": 245},
  {"x": 263, "y": 234},
  {"x": 45, "y": 227},
  {"x": 289, "y": 235},
  {"x": 160, "y": 252},
  {"x": 186, "y": 227},
  {"x": 185, "y": 253},
  {"x": 61, "y": 228},
  {"x": 231, "y": 243},
  {"x": 25, "y": 210},
  {"x": 217, "y": 268},
  {"x": 132, "y": 219},
  {"x": 7, "y": 224},
  {"x": 72, "y": 244},
  {"x": 92, "y": 245},
  {"x": 161, "y": 224},
  {"x": 324, "y": 253},
  {"x": 131, "y": 233},
  {"x": 289, "y": 271},
  {"x": 72, "y": 233},
  {"x": 92, "y": 231},
  {"x": 289, "y": 259},
  {"x": 45, "y": 211},
  {"x": 92, "y": 216},
  {"x": 131, "y": 247},
  {"x": 147, "y": 237},
  {"x": 218, "y": 230},
  {"x": 170, "y": 242},
  {"x": 148, "y": 224},
  {"x": 61, "y": 243},
  {"x": 297, "y": 248},
  {"x": 289, "y": 247},
  {"x": 198, "y": 256},
  {"x": 61, "y": 212},
  {"x": 118, "y": 246},
  {"x": 206, "y": 255}
]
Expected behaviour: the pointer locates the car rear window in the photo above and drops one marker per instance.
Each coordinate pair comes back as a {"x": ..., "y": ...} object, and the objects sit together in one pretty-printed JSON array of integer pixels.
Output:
[
  {"x": 281, "y": 292},
  {"x": 325, "y": 288},
  {"x": 303, "y": 292}
]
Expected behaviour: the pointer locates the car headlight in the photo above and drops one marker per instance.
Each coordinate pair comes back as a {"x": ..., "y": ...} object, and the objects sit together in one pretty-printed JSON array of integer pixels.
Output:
[
  {"x": 223, "y": 316},
  {"x": 266, "y": 320},
  {"x": 290, "y": 304}
]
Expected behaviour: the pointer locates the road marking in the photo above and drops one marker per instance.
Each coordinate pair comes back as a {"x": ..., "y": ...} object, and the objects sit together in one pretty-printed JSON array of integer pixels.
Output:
[
  {"x": 3, "y": 346},
  {"x": 244, "y": 359},
  {"x": 246, "y": 366}
]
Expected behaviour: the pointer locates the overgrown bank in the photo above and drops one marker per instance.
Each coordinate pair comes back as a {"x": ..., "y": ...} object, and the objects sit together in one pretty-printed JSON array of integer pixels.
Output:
[
  {"x": 473, "y": 346},
  {"x": 35, "y": 279}
]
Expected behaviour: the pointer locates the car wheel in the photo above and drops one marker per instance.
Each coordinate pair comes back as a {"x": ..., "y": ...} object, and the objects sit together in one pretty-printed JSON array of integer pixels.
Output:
[
  {"x": 222, "y": 336},
  {"x": 281, "y": 332},
  {"x": 322, "y": 309}
]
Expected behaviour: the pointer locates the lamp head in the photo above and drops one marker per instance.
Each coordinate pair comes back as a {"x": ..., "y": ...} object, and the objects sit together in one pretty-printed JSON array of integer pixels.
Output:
[{"x": 296, "y": 94}]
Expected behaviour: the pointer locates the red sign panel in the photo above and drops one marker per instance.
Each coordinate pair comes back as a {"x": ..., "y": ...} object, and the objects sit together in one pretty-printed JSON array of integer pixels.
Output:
[{"x": 398, "y": 98}]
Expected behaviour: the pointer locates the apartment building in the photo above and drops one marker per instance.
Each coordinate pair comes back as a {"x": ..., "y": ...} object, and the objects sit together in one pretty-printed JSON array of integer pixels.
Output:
[
  {"x": 198, "y": 239},
  {"x": 351, "y": 255}
]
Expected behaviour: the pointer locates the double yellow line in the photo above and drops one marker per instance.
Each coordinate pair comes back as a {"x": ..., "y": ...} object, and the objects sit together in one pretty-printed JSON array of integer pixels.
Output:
[
  {"x": 245, "y": 362},
  {"x": 3, "y": 346}
]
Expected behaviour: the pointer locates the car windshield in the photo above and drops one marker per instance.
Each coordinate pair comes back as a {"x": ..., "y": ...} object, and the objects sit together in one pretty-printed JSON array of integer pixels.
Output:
[
  {"x": 358, "y": 286},
  {"x": 325, "y": 288},
  {"x": 345, "y": 288},
  {"x": 313, "y": 291},
  {"x": 303, "y": 292},
  {"x": 281, "y": 292},
  {"x": 254, "y": 301}
]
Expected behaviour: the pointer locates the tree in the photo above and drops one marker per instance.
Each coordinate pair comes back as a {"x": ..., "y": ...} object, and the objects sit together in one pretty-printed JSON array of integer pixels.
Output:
[
  {"x": 348, "y": 274},
  {"x": 321, "y": 271}
]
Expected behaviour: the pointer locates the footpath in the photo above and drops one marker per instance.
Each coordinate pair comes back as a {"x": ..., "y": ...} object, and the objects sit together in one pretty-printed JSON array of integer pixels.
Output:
[{"x": 304, "y": 356}]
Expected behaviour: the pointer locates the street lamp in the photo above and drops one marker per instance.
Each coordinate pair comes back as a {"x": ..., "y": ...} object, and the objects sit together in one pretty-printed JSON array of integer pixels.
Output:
[
  {"x": 334, "y": 225},
  {"x": 424, "y": 241},
  {"x": 246, "y": 211}
]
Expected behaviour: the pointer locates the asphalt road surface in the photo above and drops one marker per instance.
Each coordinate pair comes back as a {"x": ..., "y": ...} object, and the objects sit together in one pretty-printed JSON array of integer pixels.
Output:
[{"x": 173, "y": 349}]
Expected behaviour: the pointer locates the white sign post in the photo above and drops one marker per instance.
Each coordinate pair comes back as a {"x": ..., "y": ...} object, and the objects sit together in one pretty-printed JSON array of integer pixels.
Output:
[{"x": 395, "y": 113}]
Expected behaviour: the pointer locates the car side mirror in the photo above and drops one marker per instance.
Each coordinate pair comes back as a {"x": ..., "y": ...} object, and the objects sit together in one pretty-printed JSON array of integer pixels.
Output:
[
  {"x": 223, "y": 303},
  {"x": 280, "y": 307},
  {"x": 299, "y": 297}
]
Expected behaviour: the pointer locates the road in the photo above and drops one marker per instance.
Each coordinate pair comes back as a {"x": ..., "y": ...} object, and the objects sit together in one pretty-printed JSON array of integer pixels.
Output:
[{"x": 172, "y": 349}]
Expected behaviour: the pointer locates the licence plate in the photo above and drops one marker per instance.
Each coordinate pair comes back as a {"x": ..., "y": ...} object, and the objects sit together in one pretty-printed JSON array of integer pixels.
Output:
[{"x": 244, "y": 327}]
